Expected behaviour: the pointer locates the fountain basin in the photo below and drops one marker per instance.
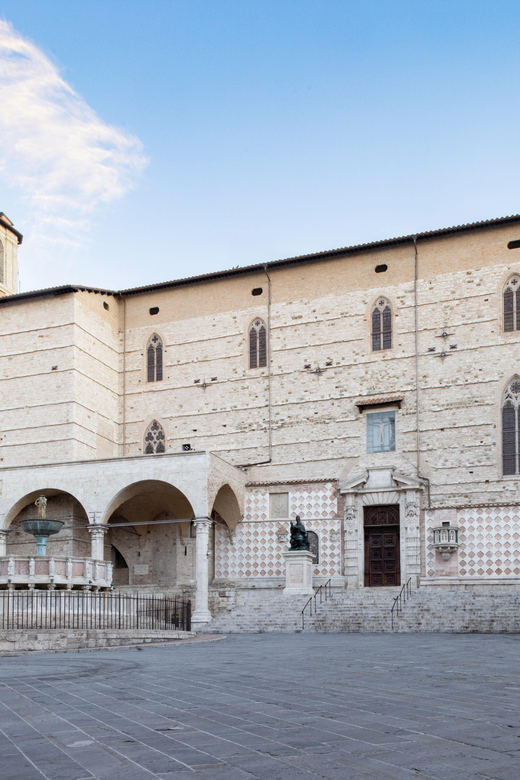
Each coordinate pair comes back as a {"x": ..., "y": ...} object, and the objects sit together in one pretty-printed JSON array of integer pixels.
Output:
[{"x": 41, "y": 529}]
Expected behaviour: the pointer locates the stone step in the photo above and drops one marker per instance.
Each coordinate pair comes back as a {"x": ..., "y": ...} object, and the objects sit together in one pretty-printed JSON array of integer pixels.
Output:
[{"x": 428, "y": 609}]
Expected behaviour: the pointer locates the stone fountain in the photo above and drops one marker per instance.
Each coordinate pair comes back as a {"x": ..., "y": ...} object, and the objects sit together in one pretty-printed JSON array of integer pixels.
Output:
[
  {"x": 49, "y": 572},
  {"x": 41, "y": 528}
]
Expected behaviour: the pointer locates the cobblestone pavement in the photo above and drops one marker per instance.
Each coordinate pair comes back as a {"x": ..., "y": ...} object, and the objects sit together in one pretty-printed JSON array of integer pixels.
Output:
[{"x": 281, "y": 707}]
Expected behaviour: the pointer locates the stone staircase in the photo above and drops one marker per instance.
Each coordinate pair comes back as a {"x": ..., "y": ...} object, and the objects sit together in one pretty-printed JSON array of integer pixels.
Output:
[
  {"x": 480, "y": 610},
  {"x": 431, "y": 609},
  {"x": 268, "y": 610}
]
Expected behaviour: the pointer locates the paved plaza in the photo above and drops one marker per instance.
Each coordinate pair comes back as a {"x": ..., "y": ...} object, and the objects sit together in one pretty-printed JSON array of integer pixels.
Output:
[{"x": 280, "y": 707}]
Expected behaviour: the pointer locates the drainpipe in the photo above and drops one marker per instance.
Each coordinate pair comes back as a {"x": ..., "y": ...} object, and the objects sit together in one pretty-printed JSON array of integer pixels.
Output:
[
  {"x": 416, "y": 332},
  {"x": 124, "y": 377},
  {"x": 269, "y": 413}
]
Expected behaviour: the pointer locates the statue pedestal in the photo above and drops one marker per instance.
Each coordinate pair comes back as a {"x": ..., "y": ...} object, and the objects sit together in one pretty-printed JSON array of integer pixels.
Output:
[{"x": 298, "y": 573}]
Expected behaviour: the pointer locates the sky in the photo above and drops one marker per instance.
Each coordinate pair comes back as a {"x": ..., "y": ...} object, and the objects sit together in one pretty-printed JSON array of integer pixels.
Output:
[{"x": 148, "y": 141}]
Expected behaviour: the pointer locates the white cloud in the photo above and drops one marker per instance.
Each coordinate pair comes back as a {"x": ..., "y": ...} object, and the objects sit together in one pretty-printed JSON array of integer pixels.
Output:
[{"x": 53, "y": 147}]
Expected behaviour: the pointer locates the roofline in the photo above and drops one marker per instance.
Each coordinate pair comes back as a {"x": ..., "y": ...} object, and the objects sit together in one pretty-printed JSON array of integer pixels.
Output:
[
  {"x": 331, "y": 253},
  {"x": 10, "y": 227},
  {"x": 386, "y": 243},
  {"x": 62, "y": 290}
]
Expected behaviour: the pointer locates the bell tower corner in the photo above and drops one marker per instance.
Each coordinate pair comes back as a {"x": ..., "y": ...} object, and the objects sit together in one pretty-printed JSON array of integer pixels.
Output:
[{"x": 10, "y": 238}]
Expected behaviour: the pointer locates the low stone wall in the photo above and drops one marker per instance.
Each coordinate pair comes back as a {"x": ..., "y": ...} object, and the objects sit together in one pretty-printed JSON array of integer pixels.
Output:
[{"x": 77, "y": 639}]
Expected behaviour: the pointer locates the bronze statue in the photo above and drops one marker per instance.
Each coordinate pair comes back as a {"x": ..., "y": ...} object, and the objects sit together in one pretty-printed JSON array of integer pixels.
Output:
[
  {"x": 299, "y": 536},
  {"x": 41, "y": 503}
]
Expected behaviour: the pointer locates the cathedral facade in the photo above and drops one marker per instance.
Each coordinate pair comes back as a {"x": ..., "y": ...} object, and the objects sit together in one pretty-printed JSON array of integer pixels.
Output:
[{"x": 177, "y": 428}]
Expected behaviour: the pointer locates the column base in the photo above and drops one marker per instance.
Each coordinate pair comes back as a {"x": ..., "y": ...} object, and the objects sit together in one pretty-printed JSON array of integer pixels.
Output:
[
  {"x": 298, "y": 573},
  {"x": 200, "y": 616}
]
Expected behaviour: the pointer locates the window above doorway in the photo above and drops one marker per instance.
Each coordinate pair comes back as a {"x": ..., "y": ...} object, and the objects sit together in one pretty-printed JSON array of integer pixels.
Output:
[{"x": 381, "y": 431}]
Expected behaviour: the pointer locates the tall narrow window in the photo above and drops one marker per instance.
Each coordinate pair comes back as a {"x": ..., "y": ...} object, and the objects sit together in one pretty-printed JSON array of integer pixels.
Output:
[
  {"x": 2, "y": 259},
  {"x": 510, "y": 429},
  {"x": 257, "y": 344},
  {"x": 512, "y": 304},
  {"x": 381, "y": 325},
  {"x": 154, "y": 353},
  {"x": 154, "y": 439}
]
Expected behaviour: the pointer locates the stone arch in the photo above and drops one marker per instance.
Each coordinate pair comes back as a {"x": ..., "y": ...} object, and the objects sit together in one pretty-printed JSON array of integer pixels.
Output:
[
  {"x": 153, "y": 497},
  {"x": 31, "y": 497},
  {"x": 73, "y": 540},
  {"x": 146, "y": 522},
  {"x": 227, "y": 507}
]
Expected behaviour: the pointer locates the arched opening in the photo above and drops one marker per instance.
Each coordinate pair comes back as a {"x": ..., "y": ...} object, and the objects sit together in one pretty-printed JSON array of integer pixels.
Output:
[
  {"x": 148, "y": 539},
  {"x": 225, "y": 512},
  {"x": 226, "y": 505},
  {"x": 120, "y": 574},
  {"x": 73, "y": 541}
]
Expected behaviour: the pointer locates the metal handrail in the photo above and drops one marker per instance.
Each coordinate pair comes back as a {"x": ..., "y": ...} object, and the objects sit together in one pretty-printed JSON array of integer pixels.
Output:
[
  {"x": 400, "y": 600},
  {"x": 323, "y": 591}
]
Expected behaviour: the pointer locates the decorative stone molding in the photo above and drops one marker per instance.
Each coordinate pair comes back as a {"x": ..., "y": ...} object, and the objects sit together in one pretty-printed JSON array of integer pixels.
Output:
[
  {"x": 45, "y": 571},
  {"x": 381, "y": 485}
]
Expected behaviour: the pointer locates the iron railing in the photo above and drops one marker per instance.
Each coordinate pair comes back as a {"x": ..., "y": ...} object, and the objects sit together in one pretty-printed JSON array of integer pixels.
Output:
[
  {"x": 61, "y": 609},
  {"x": 324, "y": 592},
  {"x": 400, "y": 600}
]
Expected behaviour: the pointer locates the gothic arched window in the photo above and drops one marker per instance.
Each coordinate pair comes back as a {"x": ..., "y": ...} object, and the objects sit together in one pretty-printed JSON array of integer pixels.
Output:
[
  {"x": 154, "y": 355},
  {"x": 257, "y": 344},
  {"x": 381, "y": 325},
  {"x": 510, "y": 429},
  {"x": 512, "y": 304},
  {"x": 154, "y": 439}
]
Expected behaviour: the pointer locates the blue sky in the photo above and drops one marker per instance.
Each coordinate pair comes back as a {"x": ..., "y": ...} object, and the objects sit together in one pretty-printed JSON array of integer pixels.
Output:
[{"x": 150, "y": 141}]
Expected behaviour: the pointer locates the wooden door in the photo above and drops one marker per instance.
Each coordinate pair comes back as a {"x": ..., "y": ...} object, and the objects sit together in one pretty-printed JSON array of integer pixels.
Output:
[{"x": 382, "y": 560}]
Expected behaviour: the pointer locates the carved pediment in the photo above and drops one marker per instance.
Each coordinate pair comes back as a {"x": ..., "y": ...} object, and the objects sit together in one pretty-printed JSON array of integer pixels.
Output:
[{"x": 380, "y": 479}]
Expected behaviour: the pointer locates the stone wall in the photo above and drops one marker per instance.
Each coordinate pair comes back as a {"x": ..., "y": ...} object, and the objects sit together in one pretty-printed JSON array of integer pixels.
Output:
[
  {"x": 73, "y": 375},
  {"x": 255, "y": 550},
  {"x": 489, "y": 540}
]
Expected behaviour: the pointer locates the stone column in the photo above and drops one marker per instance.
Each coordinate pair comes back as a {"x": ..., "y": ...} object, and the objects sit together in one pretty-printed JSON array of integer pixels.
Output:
[
  {"x": 202, "y": 613},
  {"x": 3, "y": 543},
  {"x": 97, "y": 533}
]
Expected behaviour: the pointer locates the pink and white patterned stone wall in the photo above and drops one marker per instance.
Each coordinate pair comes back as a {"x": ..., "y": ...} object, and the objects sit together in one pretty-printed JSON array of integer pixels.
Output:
[
  {"x": 260, "y": 540},
  {"x": 489, "y": 540}
]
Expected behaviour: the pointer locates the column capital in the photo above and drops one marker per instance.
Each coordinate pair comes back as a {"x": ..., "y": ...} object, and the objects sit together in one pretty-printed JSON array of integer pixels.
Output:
[
  {"x": 4, "y": 532},
  {"x": 97, "y": 529},
  {"x": 202, "y": 521}
]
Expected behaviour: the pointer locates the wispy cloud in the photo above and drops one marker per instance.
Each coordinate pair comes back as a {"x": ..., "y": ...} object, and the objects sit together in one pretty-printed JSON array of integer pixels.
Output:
[{"x": 54, "y": 147}]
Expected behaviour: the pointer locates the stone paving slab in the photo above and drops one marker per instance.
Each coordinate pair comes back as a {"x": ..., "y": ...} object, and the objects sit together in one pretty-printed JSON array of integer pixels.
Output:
[{"x": 268, "y": 706}]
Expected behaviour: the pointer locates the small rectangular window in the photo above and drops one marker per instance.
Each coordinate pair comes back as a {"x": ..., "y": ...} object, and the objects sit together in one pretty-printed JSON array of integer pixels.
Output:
[
  {"x": 381, "y": 432},
  {"x": 279, "y": 505}
]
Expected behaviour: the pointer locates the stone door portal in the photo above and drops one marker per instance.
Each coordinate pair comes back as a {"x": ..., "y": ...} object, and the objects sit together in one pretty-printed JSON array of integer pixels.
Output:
[{"x": 382, "y": 560}]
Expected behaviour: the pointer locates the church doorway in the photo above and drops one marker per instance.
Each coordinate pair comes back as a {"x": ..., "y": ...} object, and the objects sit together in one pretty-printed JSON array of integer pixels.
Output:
[{"x": 382, "y": 542}]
